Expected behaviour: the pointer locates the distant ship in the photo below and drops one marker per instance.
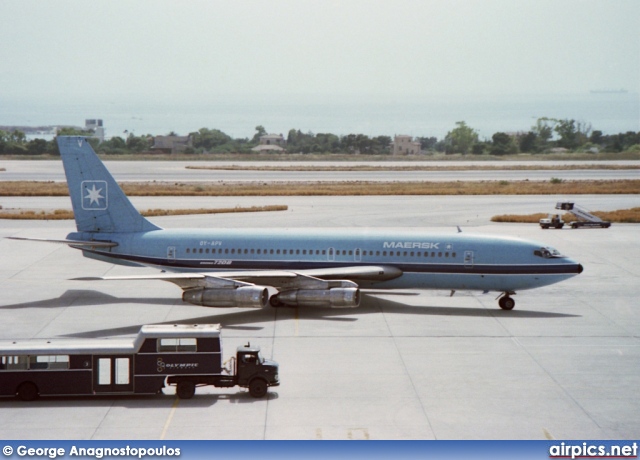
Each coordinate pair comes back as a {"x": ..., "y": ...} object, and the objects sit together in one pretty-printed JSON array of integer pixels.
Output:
[{"x": 609, "y": 91}]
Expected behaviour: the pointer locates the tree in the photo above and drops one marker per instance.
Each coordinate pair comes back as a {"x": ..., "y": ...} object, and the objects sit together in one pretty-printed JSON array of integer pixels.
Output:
[
  {"x": 528, "y": 142},
  {"x": 543, "y": 131},
  {"x": 383, "y": 144},
  {"x": 503, "y": 144},
  {"x": 209, "y": 139},
  {"x": 17, "y": 137},
  {"x": 138, "y": 144},
  {"x": 596, "y": 137},
  {"x": 460, "y": 139},
  {"x": 68, "y": 131},
  {"x": 427, "y": 143},
  {"x": 572, "y": 134},
  {"x": 260, "y": 131},
  {"x": 37, "y": 147}
]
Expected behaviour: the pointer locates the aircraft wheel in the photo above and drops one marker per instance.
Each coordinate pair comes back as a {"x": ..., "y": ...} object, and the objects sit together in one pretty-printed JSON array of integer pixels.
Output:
[
  {"x": 186, "y": 389},
  {"x": 27, "y": 391},
  {"x": 506, "y": 303},
  {"x": 275, "y": 302},
  {"x": 258, "y": 388}
]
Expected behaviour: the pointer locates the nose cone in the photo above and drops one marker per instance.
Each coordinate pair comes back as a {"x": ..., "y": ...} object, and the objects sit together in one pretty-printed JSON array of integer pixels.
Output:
[{"x": 574, "y": 266}]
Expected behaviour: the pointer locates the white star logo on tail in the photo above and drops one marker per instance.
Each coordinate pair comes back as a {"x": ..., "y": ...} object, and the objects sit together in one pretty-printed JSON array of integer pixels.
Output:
[{"x": 93, "y": 194}]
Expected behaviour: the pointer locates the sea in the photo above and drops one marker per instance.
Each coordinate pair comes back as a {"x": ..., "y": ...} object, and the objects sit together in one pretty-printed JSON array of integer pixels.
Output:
[{"x": 611, "y": 112}]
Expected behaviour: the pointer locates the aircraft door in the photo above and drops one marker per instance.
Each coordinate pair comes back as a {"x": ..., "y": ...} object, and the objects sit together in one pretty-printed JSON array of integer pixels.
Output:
[
  {"x": 357, "y": 255},
  {"x": 113, "y": 374},
  {"x": 331, "y": 254},
  {"x": 468, "y": 259},
  {"x": 171, "y": 254}
]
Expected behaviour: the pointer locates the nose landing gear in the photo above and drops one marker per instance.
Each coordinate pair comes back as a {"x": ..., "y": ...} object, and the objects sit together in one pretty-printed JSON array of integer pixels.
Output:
[{"x": 506, "y": 302}]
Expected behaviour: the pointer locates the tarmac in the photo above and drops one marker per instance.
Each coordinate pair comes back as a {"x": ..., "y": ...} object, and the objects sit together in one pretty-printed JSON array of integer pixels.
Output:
[{"x": 562, "y": 365}]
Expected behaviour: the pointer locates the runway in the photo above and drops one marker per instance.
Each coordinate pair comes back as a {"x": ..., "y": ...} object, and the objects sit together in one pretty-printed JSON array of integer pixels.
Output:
[
  {"x": 176, "y": 171},
  {"x": 563, "y": 364}
]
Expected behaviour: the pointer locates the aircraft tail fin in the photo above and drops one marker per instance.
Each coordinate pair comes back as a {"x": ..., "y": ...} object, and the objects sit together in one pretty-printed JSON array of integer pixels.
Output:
[{"x": 99, "y": 204}]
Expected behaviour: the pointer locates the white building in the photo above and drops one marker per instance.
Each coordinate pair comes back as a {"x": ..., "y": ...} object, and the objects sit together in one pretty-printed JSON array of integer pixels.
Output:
[
  {"x": 404, "y": 145},
  {"x": 271, "y": 142},
  {"x": 95, "y": 125}
]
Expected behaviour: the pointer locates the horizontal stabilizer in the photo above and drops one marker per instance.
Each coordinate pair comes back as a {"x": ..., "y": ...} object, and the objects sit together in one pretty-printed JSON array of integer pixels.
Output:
[{"x": 76, "y": 243}]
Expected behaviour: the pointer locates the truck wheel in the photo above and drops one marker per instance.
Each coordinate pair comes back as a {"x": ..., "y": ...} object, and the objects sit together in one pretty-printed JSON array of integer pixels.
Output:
[
  {"x": 258, "y": 388},
  {"x": 27, "y": 391},
  {"x": 186, "y": 389}
]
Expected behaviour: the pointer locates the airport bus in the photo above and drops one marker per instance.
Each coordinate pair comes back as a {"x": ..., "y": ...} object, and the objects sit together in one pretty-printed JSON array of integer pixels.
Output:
[{"x": 186, "y": 356}]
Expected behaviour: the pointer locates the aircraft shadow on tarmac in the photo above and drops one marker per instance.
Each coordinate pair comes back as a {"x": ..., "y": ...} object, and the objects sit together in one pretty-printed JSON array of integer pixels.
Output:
[
  {"x": 245, "y": 319},
  {"x": 199, "y": 400}
]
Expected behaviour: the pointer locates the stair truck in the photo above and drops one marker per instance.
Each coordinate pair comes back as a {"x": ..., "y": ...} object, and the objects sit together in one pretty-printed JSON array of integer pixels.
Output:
[
  {"x": 585, "y": 218},
  {"x": 186, "y": 356}
]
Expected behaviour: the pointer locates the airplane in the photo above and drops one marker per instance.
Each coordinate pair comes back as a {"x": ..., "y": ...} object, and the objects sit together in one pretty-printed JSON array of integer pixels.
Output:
[{"x": 257, "y": 267}]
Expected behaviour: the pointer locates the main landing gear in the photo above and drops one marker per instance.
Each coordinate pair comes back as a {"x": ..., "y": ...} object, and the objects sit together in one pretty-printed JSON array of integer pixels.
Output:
[{"x": 506, "y": 302}]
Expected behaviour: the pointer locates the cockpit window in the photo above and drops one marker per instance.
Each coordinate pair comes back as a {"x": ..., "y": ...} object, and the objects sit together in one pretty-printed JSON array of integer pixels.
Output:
[{"x": 547, "y": 253}]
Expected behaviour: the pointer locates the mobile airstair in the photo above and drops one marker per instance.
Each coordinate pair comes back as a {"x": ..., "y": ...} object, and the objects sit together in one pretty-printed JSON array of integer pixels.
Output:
[{"x": 585, "y": 218}]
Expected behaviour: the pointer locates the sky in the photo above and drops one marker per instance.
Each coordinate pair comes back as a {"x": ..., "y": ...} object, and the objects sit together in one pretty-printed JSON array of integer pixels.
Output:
[{"x": 199, "y": 50}]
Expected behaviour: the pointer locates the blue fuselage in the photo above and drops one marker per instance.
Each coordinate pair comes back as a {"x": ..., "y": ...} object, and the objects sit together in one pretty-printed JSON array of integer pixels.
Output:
[{"x": 456, "y": 261}]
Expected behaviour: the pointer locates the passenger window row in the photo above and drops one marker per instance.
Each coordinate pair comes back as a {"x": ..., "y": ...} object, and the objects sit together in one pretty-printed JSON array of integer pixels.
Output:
[{"x": 343, "y": 252}]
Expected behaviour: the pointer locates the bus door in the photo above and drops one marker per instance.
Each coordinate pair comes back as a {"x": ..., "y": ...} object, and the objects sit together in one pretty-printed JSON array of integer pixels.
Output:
[{"x": 113, "y": 374}]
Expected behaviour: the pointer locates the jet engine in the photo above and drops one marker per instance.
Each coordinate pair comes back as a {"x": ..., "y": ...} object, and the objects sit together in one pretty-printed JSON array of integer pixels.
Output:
[
  {"x": 242, "y": 297},
  {"x": 334, "y": 298}
]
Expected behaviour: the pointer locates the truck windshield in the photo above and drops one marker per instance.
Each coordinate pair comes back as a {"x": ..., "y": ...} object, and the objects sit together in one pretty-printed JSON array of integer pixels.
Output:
[{"x": 253, "y": 358}]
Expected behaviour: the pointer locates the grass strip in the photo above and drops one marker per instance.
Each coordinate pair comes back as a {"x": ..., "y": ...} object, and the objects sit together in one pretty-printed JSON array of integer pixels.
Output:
[
  {"x": 65, "y": 214},
  {"x": 318, "y": 168},
  {"x": 551, "y": 187}
]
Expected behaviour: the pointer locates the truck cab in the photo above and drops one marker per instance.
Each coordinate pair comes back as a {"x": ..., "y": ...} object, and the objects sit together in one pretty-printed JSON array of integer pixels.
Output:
[
  {"x": 254, "y": 371},
  {"x": 552, "y": 220}
]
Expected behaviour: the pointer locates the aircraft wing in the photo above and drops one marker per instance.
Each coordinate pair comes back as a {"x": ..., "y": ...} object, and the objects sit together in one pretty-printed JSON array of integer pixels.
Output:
[
  {"x": 72, "y": 243},
  {"x": 279, "y": 279}
]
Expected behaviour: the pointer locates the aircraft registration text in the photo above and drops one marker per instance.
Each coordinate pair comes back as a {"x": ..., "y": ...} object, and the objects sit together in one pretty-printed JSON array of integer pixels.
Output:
[{"x": 210, "y": 243}]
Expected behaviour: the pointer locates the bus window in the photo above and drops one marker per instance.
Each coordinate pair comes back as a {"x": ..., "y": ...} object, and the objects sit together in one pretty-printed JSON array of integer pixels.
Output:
[
  {"x": 14, "y": 362},
  {"x": 49, "y": 362},
  {"x": 173, "y": 345}
]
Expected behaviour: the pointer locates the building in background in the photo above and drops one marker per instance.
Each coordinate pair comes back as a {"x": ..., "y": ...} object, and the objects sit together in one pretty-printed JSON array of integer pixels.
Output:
[
  {"x": 271, "y": 143},
  {"x": 171, "y": 144},
  {"x": 96, "y": 126},
  {"x": 405, "y": 145}
]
